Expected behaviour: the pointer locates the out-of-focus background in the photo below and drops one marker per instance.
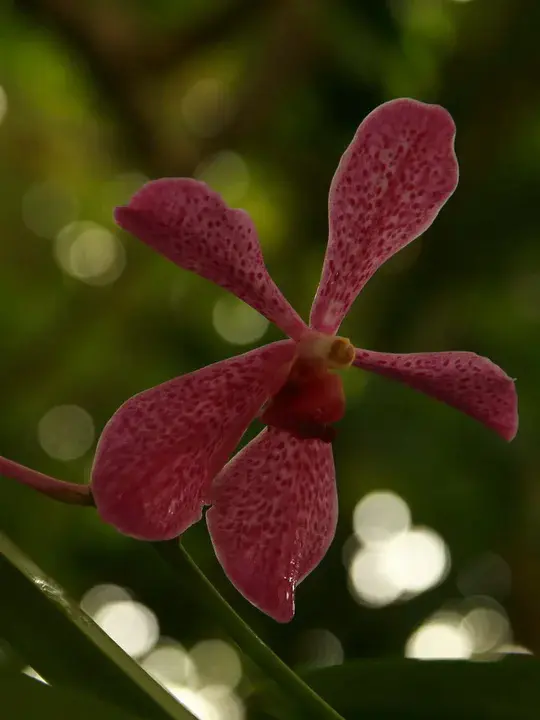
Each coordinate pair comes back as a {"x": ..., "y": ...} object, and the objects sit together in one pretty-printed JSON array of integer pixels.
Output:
[{"x": 437, "y": 552}]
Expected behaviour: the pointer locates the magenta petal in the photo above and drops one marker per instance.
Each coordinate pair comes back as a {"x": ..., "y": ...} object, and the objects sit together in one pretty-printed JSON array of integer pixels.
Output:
[
  {"x": 464, "y": 380},
  {"x": 391, "y": 182},
  {"x": 191, "y": 225},
  {"x": 160, "y": 452},
  {"x": 273, "y": 517}
]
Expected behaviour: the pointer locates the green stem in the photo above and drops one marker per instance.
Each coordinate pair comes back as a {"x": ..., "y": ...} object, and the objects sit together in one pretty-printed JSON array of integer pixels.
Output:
[
  {"x": 183, "y": 565},
  {"x": 70, "y": 493},
  {"x": 51, "y": 632}
]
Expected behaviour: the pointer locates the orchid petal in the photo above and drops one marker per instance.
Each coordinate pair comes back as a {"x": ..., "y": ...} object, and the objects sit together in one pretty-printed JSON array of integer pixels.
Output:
[
  {"x": 273, "y": 517},
  {"x": 464, "y": 380},
  {"x": 391, "y": 183},
  {"x": 160, "y": 452},
  {"x": 189, "y": 224}
]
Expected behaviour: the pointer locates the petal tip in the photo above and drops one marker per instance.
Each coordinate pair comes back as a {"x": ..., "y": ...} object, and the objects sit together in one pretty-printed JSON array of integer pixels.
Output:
[
  {"x": 122, "y": 216},
  {"x": 274, "y": 598},
  {"x": 510, "y": 433},
  {"x": 510, "y": 429},
  {"x": 283, "y": 615}
]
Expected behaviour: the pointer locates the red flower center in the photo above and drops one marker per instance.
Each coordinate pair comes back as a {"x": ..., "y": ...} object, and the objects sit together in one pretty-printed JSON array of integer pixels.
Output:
[{"x": 312, "y": 398}]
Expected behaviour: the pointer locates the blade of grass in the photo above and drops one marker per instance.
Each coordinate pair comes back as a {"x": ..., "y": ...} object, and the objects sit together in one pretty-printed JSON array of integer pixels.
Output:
[
  {"x": 63, "y": 644},
  {"x": 27, "y": 699},
  {"x": 295, "y": 690},
  {"x": 402, "y": 689}
]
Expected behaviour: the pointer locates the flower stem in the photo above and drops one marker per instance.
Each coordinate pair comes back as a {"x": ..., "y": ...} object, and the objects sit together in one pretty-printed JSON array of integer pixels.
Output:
[
  {"x": 181, "y": 562},
  {"x": 70, "y": 493}
]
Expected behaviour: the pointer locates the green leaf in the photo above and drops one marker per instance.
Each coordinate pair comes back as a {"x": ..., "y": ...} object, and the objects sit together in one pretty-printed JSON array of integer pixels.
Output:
[
  {"x": 63, "y": 644},
  {"x": 27, "y": 699},
  {"x": 300, "y": 698},
  {"x": 508, "y": 689}
]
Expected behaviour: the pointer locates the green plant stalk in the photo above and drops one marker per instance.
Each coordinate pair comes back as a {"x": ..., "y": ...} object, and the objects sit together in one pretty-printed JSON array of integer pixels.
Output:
[
  {"x": 66, "y": 492},
  {"x": 49, "y": 629},
  {"x": 177, "y": 557},
  {"x": 180, "y": 561}
]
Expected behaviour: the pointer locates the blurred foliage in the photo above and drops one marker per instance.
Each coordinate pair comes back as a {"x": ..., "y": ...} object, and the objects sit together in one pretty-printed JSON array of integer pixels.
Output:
[
  {"x": 33, "y": 699},
  {"x": 37, "y": 615},
  {"x": 414, "y": 688},
  {"x": 99, "y": 95}
]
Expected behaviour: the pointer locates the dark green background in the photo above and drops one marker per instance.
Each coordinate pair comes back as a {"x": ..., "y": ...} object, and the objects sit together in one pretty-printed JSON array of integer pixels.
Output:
[{"x": 95, "y": 90}]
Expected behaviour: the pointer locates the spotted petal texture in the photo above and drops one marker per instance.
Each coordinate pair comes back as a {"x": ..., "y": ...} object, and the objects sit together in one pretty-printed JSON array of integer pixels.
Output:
[
  {"x": 190, "y": 224},
  {"x": 391, "y": 182},
  {"x": 273, "y": 517},
  {"x": 468, "y": 382},
  {"x": 159, "y": 453}
]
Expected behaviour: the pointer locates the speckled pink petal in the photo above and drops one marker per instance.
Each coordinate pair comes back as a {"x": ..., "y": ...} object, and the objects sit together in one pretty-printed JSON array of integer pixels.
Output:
[
  {"x": 160, "y": 452},
  {"x": 273, "y": 517},
  {"x": 190, "y": 225},
  {"x": 391, "y": 182},
  {"x": 468, "y": 382}
]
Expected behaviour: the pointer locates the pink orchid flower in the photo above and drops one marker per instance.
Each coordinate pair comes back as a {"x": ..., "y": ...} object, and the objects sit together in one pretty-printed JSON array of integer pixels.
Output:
[{"x": 273, "y": 508}]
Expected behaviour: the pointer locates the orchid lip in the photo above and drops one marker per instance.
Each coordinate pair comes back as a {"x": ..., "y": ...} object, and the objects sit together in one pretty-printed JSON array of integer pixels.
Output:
[{"x": 334, "y": 353}]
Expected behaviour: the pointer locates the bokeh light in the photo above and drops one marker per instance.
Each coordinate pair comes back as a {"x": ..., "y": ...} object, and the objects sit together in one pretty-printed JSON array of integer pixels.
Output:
[
  {"x": 199, "y": 706},
  {"x": 210, "y": 703},
  {"x": 476, "y": 628},
  {"x": 367, "y": 580},
  {"x": 441, "y": 638},
  {"x": 227, "y": 173},
  {"x": 387, "y": 557},
  {"x": 416, "y": 561},
  {"x": 90, "y": 253},
  {"x": 130, "y": 624},
  {"x": 66, "y": 432},
  {"x": 236, "y": 322},
  {"x": 320, "y": 648},
  {"x": 512, "y": 649},
  {"x": 217, "y": 663},
  {"x": 489, "y": 629},
  {"x": 171, "y": 665},
  {"x": 379, "y": 516},
  {"x": 99, "y": 595},
  {"x": 226, "y": 705}
]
